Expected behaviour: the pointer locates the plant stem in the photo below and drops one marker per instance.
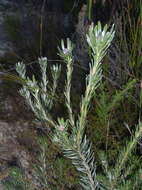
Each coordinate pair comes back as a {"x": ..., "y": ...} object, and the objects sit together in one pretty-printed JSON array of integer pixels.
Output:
[
  {"x": 126, "y": 153},
  {"x": 68, "y": 91},
  {"x": 89, "y": 9},
  {"x": 41, "y": 27}
]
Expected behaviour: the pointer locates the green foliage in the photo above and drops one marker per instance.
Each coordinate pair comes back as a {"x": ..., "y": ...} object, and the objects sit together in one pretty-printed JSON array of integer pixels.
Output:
[
  {"x": 134, "y": 39},
  {"x": 129, "y": 37},
  {"x": 17, "y": 180},
  {"x": 106, "y": 107},
  {"x": 125, "y": 173},
  {"x": 105, "y": 103},
  {"x": 66, "y": 172},
  {"x": 41, "y": 168}
]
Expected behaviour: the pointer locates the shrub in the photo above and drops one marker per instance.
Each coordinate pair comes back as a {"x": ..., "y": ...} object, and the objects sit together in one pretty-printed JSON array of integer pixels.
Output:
[{"x": 69, "y": 133}]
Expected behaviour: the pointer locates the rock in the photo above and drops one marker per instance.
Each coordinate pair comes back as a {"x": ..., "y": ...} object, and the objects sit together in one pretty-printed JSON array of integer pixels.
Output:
[
  {"x": 81, "y": 51},
  {"x": 10, "y": 149},
  {"x": 15, "y": 130},
  {"x": 7, "y": 3},
  {"x": 1, "y": 186},
  {"x": 5, "y": 44}
]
